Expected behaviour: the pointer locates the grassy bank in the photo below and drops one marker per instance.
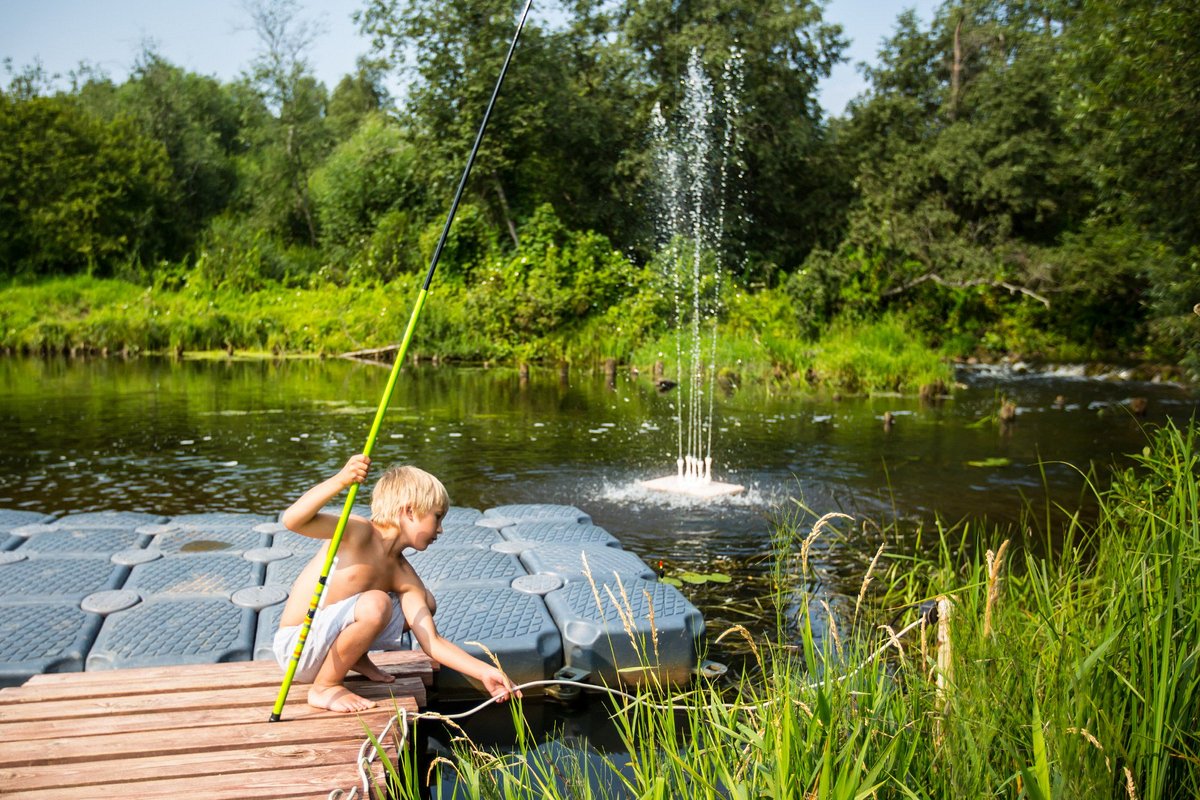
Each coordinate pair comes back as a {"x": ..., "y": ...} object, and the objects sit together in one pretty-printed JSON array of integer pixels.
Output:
[
  {"x": 756, "y": 341},
  {"x": 1068, "y": 674}
]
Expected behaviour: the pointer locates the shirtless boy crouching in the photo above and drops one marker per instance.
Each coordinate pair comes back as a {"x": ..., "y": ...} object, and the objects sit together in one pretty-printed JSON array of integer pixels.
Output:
[{"x": 373, "y": 595}]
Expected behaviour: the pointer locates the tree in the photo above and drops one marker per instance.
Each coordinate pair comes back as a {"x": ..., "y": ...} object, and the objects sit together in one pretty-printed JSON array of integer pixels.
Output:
[
  {"x": 355, "y": 98},
  {"x": 457, "y": 48},
  {"x": 294, "y": 138},
  {"x": 367, "y": 176},
  {"x": 1132, "y": 86},
  {"x": 198, "y": 122},
  {"x": 965, "y": 172},
  {"x": 77, "y": 192}
]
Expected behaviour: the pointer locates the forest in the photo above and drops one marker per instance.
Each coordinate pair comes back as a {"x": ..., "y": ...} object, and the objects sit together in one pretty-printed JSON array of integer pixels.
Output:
[{"x": 1020, "y": 179}]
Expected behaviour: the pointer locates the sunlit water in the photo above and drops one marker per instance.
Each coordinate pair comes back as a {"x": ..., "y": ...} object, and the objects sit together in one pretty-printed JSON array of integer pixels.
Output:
[{"x": 249, "y": 436}]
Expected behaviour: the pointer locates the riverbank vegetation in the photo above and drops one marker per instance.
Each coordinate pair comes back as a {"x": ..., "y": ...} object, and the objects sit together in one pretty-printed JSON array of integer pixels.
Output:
[
  {"x": 1063, "y": 665},
  {"x": 1017, "y": 180}
]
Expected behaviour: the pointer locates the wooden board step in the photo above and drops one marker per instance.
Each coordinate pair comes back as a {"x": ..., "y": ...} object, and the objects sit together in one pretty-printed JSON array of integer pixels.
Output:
[{"x": 121, "y": 733}]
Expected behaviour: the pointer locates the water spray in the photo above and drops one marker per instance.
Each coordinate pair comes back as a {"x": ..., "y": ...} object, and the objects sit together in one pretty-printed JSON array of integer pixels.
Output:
[
  {"x": 692, "y": 224},
  {"x": 335, "y": 542}
]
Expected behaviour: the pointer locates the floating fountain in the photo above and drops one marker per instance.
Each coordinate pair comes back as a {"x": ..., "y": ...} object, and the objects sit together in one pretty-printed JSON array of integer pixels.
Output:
[{"x": 694, "y": 161}]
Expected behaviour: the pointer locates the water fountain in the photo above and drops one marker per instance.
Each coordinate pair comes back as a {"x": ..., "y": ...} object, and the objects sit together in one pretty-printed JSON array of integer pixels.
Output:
[{"x": 696, "y": 159}]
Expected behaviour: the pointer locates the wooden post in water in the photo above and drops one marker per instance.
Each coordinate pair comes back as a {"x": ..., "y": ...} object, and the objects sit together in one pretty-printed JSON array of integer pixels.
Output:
[{"x": 945, "y": 665}]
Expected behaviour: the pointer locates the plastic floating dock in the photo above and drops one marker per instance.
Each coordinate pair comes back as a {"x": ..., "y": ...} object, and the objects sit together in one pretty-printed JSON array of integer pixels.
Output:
[{"x": 537, "y": 587}]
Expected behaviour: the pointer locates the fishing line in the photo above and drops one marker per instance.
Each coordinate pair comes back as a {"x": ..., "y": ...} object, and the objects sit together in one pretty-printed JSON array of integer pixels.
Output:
[{"x": 336, "y": 541}]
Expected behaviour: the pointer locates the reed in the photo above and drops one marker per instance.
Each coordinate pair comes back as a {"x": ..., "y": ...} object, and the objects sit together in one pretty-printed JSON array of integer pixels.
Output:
[{"x": 1074, "y": 676}]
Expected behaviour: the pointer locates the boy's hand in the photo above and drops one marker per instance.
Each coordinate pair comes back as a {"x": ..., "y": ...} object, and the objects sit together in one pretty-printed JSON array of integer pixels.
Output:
[
  {"x": 355, "y": 471},
  {"x": 497, "y": 684}
]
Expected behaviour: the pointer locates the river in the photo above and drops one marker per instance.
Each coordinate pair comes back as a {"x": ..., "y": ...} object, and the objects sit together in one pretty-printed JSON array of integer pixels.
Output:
[{"x": 174, "y": 437}]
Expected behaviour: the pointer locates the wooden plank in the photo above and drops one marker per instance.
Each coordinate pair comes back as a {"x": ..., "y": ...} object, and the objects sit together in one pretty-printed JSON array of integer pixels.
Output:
[
  {"x": 407, "y": 661},
  {"x": 116, "y": 683},
  {"x": 151, "y": 673},
  {"x": 305, "y": 782},
  {"x": 200, "y": 700},
  {"x": 250, "y": 709},
  {"x": 298, "y": 729},
  {"x": 184, "y": 765}
]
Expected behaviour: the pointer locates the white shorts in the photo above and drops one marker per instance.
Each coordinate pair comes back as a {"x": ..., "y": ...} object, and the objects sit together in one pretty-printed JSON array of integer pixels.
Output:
[{"x": 327, "y": 625}]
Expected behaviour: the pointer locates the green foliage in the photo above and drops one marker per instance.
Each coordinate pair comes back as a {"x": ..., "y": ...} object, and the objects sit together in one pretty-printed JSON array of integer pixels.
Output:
[
  {"x": 1131, "y": 87},
  {"x": 77, "y": 193},
  {"x": 1017, "y": 179},
  {"x": 876, "y": 356},
  {"x": 355, "y": 99},
  {"x": 238, "y": 256},
  {"x": 468, "y": 242},
  {"x": 557, "y": 278},
  {"x": 363, "y": 195},
  {"x": 198, "y": 122}
]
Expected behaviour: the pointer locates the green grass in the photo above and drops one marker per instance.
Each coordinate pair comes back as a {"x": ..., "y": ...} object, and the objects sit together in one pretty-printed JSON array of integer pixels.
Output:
[
  {"x": 83, "y": 314},
  {"x": 1066, "y": 668}
]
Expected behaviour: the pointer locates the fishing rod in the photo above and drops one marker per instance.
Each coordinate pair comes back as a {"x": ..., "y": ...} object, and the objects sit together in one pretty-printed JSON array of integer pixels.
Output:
[{"x": 336, "y": 541}]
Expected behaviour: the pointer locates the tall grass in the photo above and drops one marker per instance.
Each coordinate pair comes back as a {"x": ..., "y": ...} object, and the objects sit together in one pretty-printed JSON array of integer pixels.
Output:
[
  {"x": 83, "y": 314},
  {"x": 1067, "y": 670}
]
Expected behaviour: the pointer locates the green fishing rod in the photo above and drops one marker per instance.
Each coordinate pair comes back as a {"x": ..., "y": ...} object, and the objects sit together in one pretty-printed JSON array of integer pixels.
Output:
[{"x": 336, "y": 541}]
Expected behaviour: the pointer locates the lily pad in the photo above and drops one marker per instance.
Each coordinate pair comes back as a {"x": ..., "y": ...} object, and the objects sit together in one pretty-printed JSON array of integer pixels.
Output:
[
  {"x": 698, "y": 578},
  {"x": 990, "y": 462},
  {"x": 678, "y": 584}
]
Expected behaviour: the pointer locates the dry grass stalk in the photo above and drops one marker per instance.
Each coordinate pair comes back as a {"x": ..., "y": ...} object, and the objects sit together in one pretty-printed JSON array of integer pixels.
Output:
[
  {"x": 587, "y": 573},
  {"x": 491, "y": 656},
  {"x": 626, "y": 616},
  {"x": 653, "y": 626},
  {"x": 745, "y": 634},
  {"x": 833, "y": 629},
  {"x": 862, "y": 592},
  {"x": 1129, "y": 787},
  {"x": 817, "y": 527},
  {"x": 994, "y": 562},
  {"x": 1094, "y": 742},
  {"x": 894, "y": 640},
  {"x": 945, "y": 647}
]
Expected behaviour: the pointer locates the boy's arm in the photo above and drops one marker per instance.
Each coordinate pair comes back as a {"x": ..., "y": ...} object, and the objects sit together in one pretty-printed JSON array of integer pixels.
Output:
[
  {"x": 304, "y": 516},
  {"x": 446, "y": 653}
]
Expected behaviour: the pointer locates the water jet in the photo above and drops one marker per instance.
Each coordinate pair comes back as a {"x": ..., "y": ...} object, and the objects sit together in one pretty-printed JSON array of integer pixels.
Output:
[{"x": 694, "y": 159}]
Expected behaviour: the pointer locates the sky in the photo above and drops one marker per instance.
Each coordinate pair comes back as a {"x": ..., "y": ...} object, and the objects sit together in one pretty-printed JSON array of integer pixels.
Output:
[{"x": 213, "y": 37}]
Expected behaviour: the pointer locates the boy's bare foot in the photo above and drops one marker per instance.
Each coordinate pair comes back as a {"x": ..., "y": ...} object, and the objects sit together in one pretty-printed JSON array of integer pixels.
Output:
[
  {"x": 366, "y": 667},
  {"x": 337, "y": 698}
]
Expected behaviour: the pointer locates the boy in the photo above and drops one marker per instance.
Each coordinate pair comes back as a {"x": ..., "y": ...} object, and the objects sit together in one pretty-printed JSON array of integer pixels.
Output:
[{"x": 373, "y": 595}]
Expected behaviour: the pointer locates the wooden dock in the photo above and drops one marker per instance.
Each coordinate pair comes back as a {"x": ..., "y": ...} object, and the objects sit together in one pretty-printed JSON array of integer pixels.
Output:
[{"x": 196, "y": 731}]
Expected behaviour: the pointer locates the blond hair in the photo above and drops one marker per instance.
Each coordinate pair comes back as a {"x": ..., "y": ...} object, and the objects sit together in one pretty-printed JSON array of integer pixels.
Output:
[{"x": 407, "y": 487}]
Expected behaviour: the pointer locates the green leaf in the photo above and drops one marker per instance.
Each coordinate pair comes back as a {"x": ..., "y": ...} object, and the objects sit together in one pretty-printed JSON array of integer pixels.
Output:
[
  {"x": 990, "y": 462},
  {"x": 693, "y": 577},
  {"x": 1041, "y": 762}
]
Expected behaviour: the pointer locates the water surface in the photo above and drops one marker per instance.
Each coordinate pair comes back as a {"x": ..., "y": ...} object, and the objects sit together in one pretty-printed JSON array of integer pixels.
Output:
[{"x": 200, "y": 436}]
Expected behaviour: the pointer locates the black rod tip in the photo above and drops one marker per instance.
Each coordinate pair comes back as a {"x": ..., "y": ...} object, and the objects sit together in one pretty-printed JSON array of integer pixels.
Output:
[{"x": 274, "y": 718}]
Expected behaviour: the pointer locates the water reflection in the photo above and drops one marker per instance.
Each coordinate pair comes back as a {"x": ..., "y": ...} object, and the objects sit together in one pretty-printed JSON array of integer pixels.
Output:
[{"x": 248, "y": 436}]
